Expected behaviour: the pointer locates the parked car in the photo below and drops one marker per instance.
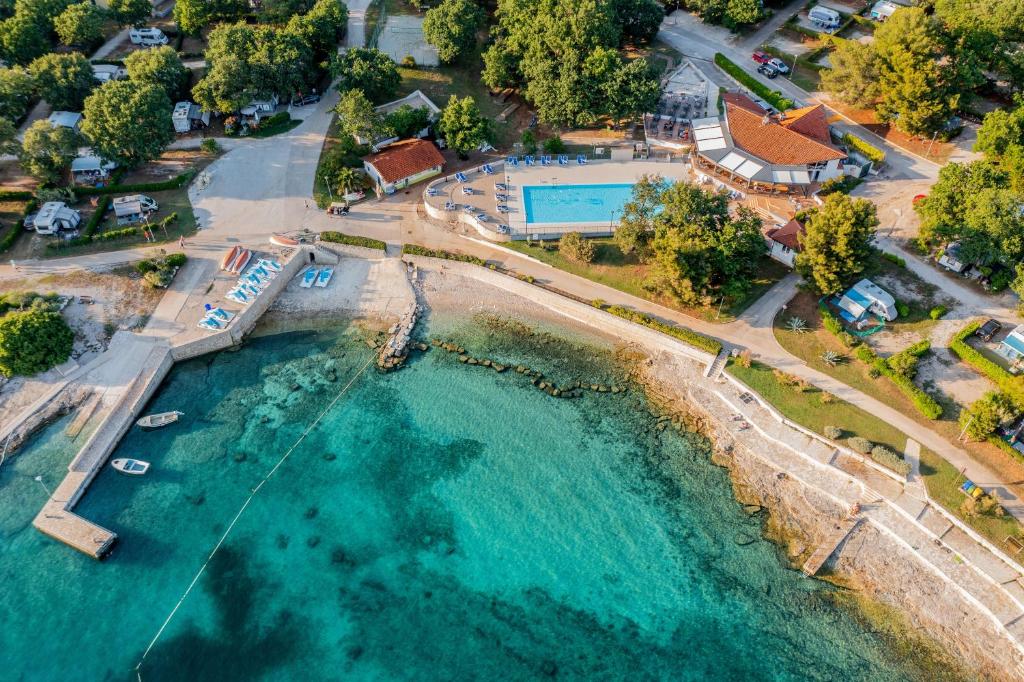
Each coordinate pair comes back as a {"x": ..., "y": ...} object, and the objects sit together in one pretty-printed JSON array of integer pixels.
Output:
[
  {"x": 768, "y": 70},
  {"x": 761, "y": 57},
  {"x": 30, "y": 221},
  {"x": 301, "y": 101},
  {"x": 988, "y": 330},
  {"x": 779, "y": 64}
]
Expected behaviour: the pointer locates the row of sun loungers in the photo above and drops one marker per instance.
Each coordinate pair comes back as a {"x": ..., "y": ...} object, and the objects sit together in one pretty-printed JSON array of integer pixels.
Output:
[{"x": 253, "y": 283}]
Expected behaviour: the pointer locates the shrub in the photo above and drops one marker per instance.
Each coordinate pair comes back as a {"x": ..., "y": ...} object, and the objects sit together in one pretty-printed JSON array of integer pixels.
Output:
[
  {"x": 209, "y": 146},
  {"x": 598, "y": 303},
  {"x": 869, "y": 151},
  {"x": 409, "y": 62},
  {"x": 893, "y": 258},
  {"x": 827, "y": 398},
  {"x": 158, "y": 279},
  {"x": 97, "y": 217},
  {"x": 833, "y": 432},
  {"x": 33, "y": 340},
  {"x": 937, "y": 312},
  {"x": 890, "y": 459},
  {"x": 744, "y": 358},
  {"x": 860, "y": 444},
  {"x": 417, "y": 250},
  {"x": 688, "y": 336},
  {"x": 773, "y": 97},
  {"x": 144, "y": 266},
  {"x": 903, "y": 309},
  {"x": 554, "y": 145},
  {"x": 575, "y": 247},
  {"x": 529, "y": 141},
  {"x": 983, "y": 505},
  {"x": 351, "y": 240},
  {"x": 176, "y": 260}
]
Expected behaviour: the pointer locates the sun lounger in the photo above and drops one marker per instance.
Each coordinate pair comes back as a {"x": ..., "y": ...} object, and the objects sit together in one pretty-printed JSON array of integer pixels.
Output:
[
  {"x": 528, "y": 160},
  {"x": 502, "y": 198},
  {"x": 546, "y": 160},
  {"x": 488, "y": 169},
  {"x": 324, "y": 278},
  {"x": 512, "y": 160},
  {"x": 563, "y": 160},
  {"x": 309, "y": 277},
  {"x": 238, "y": 296},
  {"x": 502, "y": 208},
  {"x": 207, "y": 323},
  {"x": 482, "y": 217},
  {"x": 468, "y": 191},
  {"x": 461, "y": 177},
  {"x": 433, "y": 192},
  {"x": 449, "y": 206},
  {"x": 469, "y": 209},
  {"x": 581, "y": 159},
  {"x": 270, "y": 264},
  {"x": 503, "y": 229},
  {"x": 220, "y": 313},
  {"x": 500, "y": 187}
]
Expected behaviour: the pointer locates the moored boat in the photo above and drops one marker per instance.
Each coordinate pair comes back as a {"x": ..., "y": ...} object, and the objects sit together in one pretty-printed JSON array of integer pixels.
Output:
[
  {"x": 282, "y": 240},
  {"x": 155, "y": 421},
  {"x": 132, "y": 467}
]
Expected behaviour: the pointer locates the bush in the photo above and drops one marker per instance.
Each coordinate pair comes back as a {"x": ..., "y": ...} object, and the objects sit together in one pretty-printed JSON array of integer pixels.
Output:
[
  {"x": 833, "y": 432},
  {"x": 14, "y": 195},
  {"x": 554, "y": 145},
  {"x": 33, "y": 340},
  {"x": 529, "y": 141},
  {"x": 688, "y": 336},
  {"x": 773, "y": 97},
  {"x": 937, "y": 312},
  {"x": 867, "y": 150},
  {"x": 97, "y": 217},
  {"x": 894, "y": 259},
  {"x": 144, "y": 266},
  {"x": 176, "y": 260},
  {"x": 417, "y": 250},
  {"x": 350, "y": 240},
  {"x": 575, "y": 247},
  {"x": 890, "y": 459},
  {"x": 860, "y": 444},
  {"x": 409, "y": 62},
  {"x": 209, "y": 146},
  {"x": 903, "y": 309}
]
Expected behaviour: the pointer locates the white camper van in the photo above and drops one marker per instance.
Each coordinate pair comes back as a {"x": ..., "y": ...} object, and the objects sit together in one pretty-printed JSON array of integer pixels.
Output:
[
  {"x": 133, "y": 208},
  {"x": 147, "y": 37},
  {"x": 55, "y": 216},
  {"x": 824, "y": 17},
  {"x": 187, "y": 117}
]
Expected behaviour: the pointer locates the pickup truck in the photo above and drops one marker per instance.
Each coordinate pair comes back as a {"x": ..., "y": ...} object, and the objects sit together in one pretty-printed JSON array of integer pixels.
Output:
[{"x": 761, "y": 57}]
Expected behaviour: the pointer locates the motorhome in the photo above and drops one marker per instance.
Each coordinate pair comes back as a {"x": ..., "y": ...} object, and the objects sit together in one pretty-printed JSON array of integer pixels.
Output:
[
  {"x": 824, "y": 17},
  {"x": 55, "y": 217},
  {"x": 104, "y": 73},
  {"x": 188, "y": 117},
  {"x": 883, "y": 9},
  {"x": 134, "y": 208},
  {"x": 147, "y": 37}
]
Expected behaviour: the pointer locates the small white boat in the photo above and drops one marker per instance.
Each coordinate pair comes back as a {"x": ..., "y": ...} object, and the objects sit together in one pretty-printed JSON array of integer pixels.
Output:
[
  {"x": 132, "y": 467},
  {"x": 155, "y": 421},
  {"x": 325, "y": 277},
  {"x": 308, "y": 278}
]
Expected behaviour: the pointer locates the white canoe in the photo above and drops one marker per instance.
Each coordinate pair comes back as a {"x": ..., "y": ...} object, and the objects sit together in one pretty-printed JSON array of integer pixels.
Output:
[
  {"x": 155, "y": 421},
  {"x": 132, "y": 467}
]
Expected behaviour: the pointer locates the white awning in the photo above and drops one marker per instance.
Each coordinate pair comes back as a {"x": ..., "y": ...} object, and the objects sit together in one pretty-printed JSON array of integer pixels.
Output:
[
  {"x": 749, "y": 169},
  {"x": 801, "y": 177},
  {"x": 707, "y": 133},
  {"x": 782, "y": 176},
  {"x": 732, "y": 161},
  {"x": 709, "y": 122},
  {"x": 709, "y": 145}
]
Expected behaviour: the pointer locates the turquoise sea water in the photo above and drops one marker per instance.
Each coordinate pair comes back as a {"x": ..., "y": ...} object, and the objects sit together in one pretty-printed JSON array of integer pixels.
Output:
[
  {"x": 575, "y": 203},
  {"x": 442, "y": 522}
]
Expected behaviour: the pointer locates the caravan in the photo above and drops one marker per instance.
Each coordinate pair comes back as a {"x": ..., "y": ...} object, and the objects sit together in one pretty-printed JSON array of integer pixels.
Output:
[
  {"x": 133, "y": 208},
  {"x": 54, "y": 217},
  {"x": 147, "y": 37},
  {"x": 187, "y": 117},
  {"x": 825, "y": 17}
]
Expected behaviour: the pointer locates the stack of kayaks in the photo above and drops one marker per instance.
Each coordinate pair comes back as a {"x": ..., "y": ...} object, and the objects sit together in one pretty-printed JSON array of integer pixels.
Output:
[{"x": 236, "y": 259}]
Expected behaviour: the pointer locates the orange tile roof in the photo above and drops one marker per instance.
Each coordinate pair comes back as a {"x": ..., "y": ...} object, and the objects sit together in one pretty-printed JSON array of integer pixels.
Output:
[
  {"x": 801, "y": 137},
  {"x": 405, "y": 159},
  {"x": 788, "y": 235}
]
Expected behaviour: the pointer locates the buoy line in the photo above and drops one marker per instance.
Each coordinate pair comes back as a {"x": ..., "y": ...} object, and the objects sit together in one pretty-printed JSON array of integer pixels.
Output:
[{"x": 241, "y": 510}]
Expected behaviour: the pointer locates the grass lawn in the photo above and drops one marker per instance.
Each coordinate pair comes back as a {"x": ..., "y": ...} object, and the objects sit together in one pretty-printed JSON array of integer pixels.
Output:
[
  {"x": 170, "y": 201},
  {"x": 271, "y": 130},
  {"x": 806, "y": 408},
  {"x": 626, "y": 273}
]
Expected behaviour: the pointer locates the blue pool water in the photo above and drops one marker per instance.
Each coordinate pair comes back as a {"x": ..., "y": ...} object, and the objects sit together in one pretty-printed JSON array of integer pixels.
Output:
[
  {"x": 442, "y": 522},
  {"x": 575, "y": 203}
]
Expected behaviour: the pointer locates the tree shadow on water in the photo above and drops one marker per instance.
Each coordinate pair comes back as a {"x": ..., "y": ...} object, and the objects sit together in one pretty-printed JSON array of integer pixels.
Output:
[{"x": 247, "y": 644}]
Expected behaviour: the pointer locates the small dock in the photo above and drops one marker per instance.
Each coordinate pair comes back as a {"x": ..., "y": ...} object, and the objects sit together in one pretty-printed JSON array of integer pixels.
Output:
[
  {"x": 832, "y": 541},
  {"x": 56, "y": 520}
]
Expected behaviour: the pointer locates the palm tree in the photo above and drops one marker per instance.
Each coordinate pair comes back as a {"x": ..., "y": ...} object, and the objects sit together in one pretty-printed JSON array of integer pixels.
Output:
[{"x": 347, "y": 179}]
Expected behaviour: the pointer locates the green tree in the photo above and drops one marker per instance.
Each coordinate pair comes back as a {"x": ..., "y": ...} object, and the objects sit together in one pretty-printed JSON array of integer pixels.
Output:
[
  {"x": 347, "y": 179},
  {"x": 984, "y": 415},
  {"x": 33, "y": 341},
  {"x": 192, "y": 16},
  {"x": 463, "y": 126},
  {"x": 16, "y": 91},
  {"x": 63, "y": 80},
  {"x": 637, "y": 221},
  {"x": 322, "y": 27},
  {"x": 127, "y": 122},
  {"x": 630, "y": 90},
  {"x": 130, "y": 12},
  {"x": 500, "y": 68},
  {"x": 853, "y": 76},
  {"x": 943, "y": 212},
  {"x": 8, "y": 138},
  {"x": 80, "y": 24},
  {"x": 251, "y": 62},
  {"x": 836, "y": 243},
  {"x": 451, "y": 27},
  {"x": 366, "y": 69},
  {"x": 1018, "y": 281},
  {"x": 639, "y": 19},
  {"x": 1000, "y": 130},
  {"x": 576, "y": 248},
  {"x": 23, "y": 38},
  {"x": 158, "y": 65},
  {"x": 47, "y": 151},
  {"x": 357, "y": 117},
  {"x": 742, "y": 13},
  {"x": 406, "y": 121},
  {"x": 699, "y": 253}
]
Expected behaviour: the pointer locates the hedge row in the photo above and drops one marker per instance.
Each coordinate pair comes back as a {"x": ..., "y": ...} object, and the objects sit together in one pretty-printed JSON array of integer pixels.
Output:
[
  {"x": 350, "y": 240},
  {"x": 773, "y": 97},
  {"x": 688, "y": 336},
  {"x": 868, "y": 150},
  {"x": 417, "y": 250},
  {"x": 97, "y": 217},
  {"x": 15, "y": 195},
  {"x": 12, "y": 234},
  {"x": 173, "y": 183},
  {"x": 1008, "y": 383}
]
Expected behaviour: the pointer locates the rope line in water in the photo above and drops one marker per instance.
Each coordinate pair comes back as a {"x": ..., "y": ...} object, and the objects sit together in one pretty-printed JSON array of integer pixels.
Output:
[{"x": 241, "y": 510}]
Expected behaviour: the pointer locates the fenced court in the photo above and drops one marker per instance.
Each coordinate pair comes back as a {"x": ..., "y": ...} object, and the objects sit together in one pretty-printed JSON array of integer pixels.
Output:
[{"x": 401, "y": 35}]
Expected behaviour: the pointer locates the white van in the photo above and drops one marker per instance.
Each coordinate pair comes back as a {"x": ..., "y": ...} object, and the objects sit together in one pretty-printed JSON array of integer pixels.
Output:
[
  {"x": 825, "y": 17},
  {"x": 147, "y": 37}
]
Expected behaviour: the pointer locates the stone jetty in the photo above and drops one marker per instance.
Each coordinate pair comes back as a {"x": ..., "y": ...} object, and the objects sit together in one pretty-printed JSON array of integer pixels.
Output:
[{"x": 396, "y": 349}]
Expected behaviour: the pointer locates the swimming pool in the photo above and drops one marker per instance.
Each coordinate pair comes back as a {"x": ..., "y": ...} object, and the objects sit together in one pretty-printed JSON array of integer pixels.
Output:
[{"x": 575, "y": 203}]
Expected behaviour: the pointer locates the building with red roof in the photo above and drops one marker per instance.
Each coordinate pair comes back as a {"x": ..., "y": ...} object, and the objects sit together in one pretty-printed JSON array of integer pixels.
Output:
[
  {"x": 403, "y": 163},
  {"x": 785, "y": 152},
  {"x": 784, "y": 242}
]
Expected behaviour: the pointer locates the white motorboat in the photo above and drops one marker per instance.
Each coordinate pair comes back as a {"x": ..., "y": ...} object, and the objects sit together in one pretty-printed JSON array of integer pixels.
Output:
[
  {"x": 155, "y": 421},
  {"x": 132, "y": 467}
]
